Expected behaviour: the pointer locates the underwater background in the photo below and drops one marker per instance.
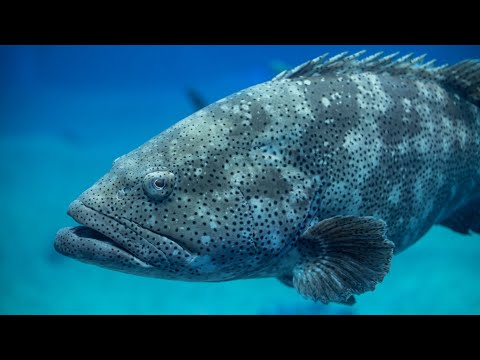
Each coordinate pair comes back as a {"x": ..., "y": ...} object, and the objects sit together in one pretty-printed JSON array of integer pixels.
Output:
[{"x": 66, "y": 112}]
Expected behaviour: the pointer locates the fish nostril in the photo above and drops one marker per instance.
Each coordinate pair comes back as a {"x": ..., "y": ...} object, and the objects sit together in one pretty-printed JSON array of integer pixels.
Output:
[{"x": 122, "y": 192}]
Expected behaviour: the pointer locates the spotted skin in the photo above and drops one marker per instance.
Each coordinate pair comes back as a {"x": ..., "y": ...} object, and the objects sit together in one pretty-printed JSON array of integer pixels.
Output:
[{"x": 255, "y": 170}]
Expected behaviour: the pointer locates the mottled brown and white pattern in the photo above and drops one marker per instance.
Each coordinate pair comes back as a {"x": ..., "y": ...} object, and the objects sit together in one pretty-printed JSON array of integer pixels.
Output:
[{"x": 375, "y": 150}]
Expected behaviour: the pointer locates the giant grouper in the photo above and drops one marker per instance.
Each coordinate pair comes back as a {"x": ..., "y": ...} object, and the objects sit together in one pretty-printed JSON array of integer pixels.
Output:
[{"x": 316, "y": 177}]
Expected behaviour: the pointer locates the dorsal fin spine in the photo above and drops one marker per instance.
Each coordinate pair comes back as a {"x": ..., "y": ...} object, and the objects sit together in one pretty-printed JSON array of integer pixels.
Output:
[{"x": 463, "y": 77}]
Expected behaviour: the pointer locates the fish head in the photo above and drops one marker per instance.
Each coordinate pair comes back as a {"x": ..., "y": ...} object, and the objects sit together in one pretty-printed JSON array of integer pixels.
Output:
[{"x": 168, "y": 209}]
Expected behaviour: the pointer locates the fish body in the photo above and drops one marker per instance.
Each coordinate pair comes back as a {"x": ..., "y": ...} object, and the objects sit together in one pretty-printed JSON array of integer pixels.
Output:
[{"x": 316, "y": 177}]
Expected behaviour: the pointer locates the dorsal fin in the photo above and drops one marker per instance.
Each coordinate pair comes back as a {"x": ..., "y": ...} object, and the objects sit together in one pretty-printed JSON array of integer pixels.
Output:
[{"x": 463, "y": 77}]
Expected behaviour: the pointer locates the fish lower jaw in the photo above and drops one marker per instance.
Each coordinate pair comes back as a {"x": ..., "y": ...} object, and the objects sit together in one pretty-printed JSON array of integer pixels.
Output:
[
  {"x": 123, "y": 241},
  {"x": 101, "y": 240}
]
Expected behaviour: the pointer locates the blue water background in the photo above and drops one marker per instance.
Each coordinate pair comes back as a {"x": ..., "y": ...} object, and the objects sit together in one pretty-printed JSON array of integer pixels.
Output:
[{"x": 67, "y": 111}]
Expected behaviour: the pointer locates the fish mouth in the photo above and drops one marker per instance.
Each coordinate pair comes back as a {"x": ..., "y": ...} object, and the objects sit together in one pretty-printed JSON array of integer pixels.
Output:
[
  {"x": 91, "y": 246},
  {"x": 104, "y": 241}
]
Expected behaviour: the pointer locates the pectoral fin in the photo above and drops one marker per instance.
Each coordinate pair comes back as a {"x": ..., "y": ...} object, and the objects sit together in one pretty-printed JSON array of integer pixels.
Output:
[{"x": 342, "y": 256}]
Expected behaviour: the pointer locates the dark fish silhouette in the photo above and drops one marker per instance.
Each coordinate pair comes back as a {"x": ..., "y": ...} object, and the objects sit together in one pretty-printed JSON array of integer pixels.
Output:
[{"x": 197, "y": 100}]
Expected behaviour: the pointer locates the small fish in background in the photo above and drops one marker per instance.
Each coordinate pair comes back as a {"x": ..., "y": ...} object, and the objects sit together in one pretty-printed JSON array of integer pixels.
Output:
[
  {"x": 197, "y": 100},
  {"x": 71, "y": 136},
  {"x": 316, "y": 177}
]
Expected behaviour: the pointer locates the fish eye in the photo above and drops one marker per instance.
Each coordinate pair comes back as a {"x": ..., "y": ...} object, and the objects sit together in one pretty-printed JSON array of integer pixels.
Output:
[{"x": 158, "y": 185}]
